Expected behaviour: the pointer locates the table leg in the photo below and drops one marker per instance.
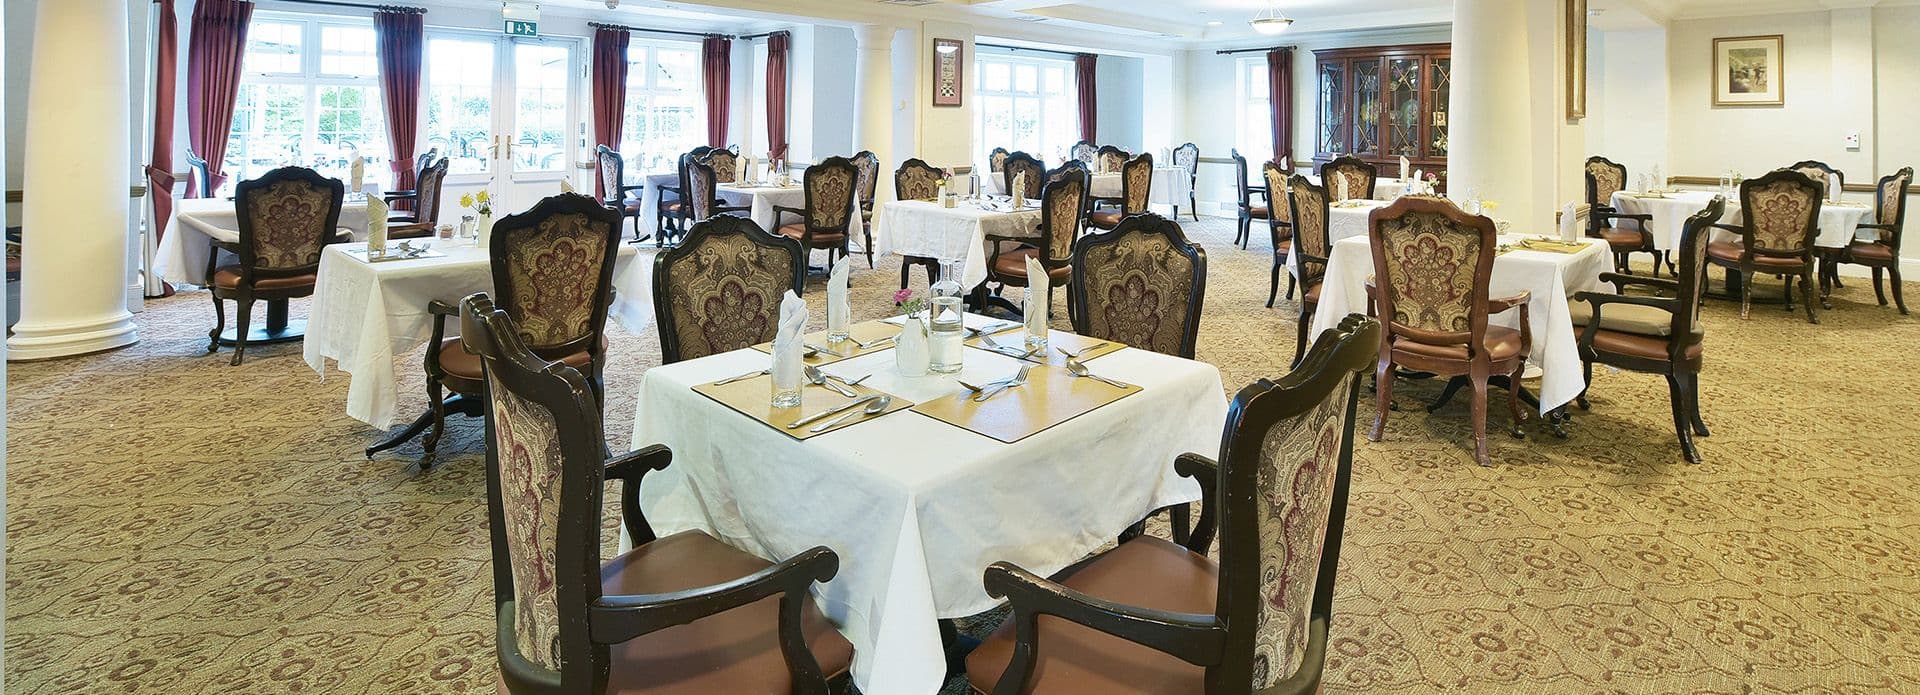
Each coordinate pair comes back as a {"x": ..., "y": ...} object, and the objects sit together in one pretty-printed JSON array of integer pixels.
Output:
[
  {"x": 279, "y": 328},
  {"x": 1556, "y": 418},
  {"x": 276, "y": 315}
]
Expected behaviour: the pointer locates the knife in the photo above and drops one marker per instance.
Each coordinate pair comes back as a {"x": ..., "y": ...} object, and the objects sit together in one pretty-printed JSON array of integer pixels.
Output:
[{"x": 844, "y": 407}]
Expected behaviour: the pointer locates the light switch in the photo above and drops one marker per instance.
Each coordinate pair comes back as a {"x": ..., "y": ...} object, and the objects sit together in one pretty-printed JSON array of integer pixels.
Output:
[{"x": 1853, "y": 141}]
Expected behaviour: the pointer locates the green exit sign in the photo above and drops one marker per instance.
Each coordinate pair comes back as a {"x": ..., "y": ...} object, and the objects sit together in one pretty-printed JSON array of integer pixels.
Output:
[{"x": 519, "y": 28}]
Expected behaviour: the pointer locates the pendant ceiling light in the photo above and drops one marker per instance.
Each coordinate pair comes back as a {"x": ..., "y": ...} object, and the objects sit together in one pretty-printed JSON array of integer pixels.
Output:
[{"x": 1271, "y": 21}]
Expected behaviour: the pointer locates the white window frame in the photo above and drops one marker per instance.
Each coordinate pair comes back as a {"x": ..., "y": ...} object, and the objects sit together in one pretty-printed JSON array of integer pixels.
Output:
[
  {"x": 1253, "y": 135},
  {"x": 643, "y": 82},
  {"x": 312, "y": 80},
  {"x": 1068, "y": 94},
  {"x": 503, "y": 107}
]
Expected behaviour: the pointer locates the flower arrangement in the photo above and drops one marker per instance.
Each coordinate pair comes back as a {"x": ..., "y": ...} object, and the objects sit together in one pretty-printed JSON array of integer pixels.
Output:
[
  {"x": 480, "y": 202},
  {"x": 946, "y": 177},
  {"x": 909, "y": 304}
]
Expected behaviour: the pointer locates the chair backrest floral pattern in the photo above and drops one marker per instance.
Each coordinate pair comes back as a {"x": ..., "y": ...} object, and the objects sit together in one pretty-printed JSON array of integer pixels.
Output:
[
  {"x": 1358, "y": 175},
  {"x": 1893, "y": 203},
  {"x": 291, "y": 213},
  {"x": 1112, "y": 159},
  {"x": 1086, "y": 153},
  {"x": 1139, "y": 285},
  {"x": 429, "y": 188},
  {"x": 1136, "y": 178},
  {"x": 868, "y": 165},
  {"x": 612, "y": 174},
  {"x": 553, "y": 263},
  {"x": 1311, "y": 237},
  {"x": 726, "y": 165},
  {"x": 527, "y": 447},
  {"x": 997, "y": 160},
  {"x": 1293, "y": 498},
  {"x": 830, "y": 190},
  {"x": 1432, "y": 264},
  {"x": 1781, "y": 210},
  {"x": 1604, "y": 178},
  {"x": 702, "y": 186},
  {"x": 1277, "y": 183},
  {"x": 723, "y": 289},
  {"x": 1063, "y": 203},
  {"x": 1187, "y": 158},
  {"x": 1022, "y": 163},
  {"x": 1821, "y": 174},
  {"x": 916, "y": 180}
]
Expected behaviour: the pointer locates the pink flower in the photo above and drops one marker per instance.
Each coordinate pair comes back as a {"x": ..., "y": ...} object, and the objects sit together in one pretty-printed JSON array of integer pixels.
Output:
[{"x": 902, "y": 296}]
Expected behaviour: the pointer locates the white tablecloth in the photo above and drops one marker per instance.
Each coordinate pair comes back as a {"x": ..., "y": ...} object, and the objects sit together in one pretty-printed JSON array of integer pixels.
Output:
[
  {"x": 917, "y": 508},
  {"x": 1383, "y": 188},
  {"x": 650, "y": 199},
  {"x": 1838, "y": 222},
  {"x": 1171, "y": 186},
  {"x": 1342, "y": 223},
  {"x": 1553, "y": 278},
  {"x": 182, "y": 255},
  {"x": 761, "y": 200},
  {"x": 364, "y": 314},
  {"x": 957, "y": 234}
]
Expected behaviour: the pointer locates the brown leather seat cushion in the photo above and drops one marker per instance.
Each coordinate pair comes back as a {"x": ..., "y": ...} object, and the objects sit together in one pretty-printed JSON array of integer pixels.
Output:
[
  {"x": 1623, "y": 239},
  {"x": 1311, "y": 294},
  {"x": 671, "y": 207},
  {"x": 228, "y": 278},
  {"x": 455, "y": 359},
  {"x": 1729, "y": 252},
  {"x": 1014, "y": 264},
  {"x": 798, "y": 231},
  {"x": 1106, "y": 219},
  {"x": 1146, "y": 572},
  {"x": 1869, "y": 252},
  {"x": 1626, "y": 318},
  {"x": 1636, "y": 345},
  {"x": 737, "y": 651},
  {"x": 1258, "y": 213},
  {"x": 633, "y": 206},
  {"x": 1501, "y": 343}
]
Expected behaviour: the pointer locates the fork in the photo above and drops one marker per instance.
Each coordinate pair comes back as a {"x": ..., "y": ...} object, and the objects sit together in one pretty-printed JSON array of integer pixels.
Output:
[{"x": 1018, "y": 380}]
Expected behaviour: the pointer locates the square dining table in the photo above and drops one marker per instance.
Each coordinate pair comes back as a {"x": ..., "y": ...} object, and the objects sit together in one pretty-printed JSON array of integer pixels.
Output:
[
  {"x": 1839, "y": 222},
  {"x": 760, "y": 199},
  {"x": 182, "y": 254},
  {"x": 1171, "y": 186},
  {"x": 926, "y": 229},
  {"x": 916, "y": 508}
]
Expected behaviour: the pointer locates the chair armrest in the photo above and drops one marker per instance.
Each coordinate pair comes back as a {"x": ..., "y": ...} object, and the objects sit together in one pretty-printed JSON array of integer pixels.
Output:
[
  {"x": 629, "y": 468},
  {"x": 1729, "y": 227},
  {"x": 1619, "y": 281},
  {"x": 1206, "y": 471},
  {"x": 1643, "y": 217},
  {"x": 1195, "y": 638},
  {"x": 440, "y": 311},
  {"x": 635, "y": 187},
  {"x": 1500, "y": 304},
  {"x": 398, "y": 195},
  {"x": 779, "y": 210},
  {"x": 1598, "y": 299}
]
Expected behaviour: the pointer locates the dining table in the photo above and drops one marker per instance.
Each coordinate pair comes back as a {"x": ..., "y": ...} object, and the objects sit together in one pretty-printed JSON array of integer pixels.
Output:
[
  {"x": 1345, "y": 220},
  {"x": 1171, "y": 186},
  {"x": 953, "y": 235},
  {"x": 365, "y": 314},
  {"x": 761, "y": 197},
  {"x": 650, "y": 199},
  {"x": 915, "y": 506},
  {"x": 1839, "y": 221},
  {"x": 182, "y": 254}
]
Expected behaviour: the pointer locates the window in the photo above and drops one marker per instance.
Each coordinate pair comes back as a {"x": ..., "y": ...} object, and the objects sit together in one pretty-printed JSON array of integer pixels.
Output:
[
  {"x": 665, "y": 114},
  {"x": 1026, "y": 105},
  {"x": 1255, "y": 113},
  {"x": 540, "y": 122},
  {"x": 309, "y": 96},
  {"x": 459, "y": 93}
]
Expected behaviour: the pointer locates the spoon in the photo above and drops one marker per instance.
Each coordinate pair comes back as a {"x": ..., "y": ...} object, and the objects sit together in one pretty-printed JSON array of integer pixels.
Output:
[
  {"x": 1078, "y": 368},
  {"x": 878, "y": 406},
  {"x": 819, "y": 378}
]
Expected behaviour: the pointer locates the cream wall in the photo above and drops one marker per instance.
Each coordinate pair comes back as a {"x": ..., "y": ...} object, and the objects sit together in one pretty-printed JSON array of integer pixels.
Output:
[
  {"x": 1118, "y": 81},
  {"x": 1627, "y": 98},
  {"x": 1896, "y": 60},
  {"x": 946, "y": 132},
  {"x": 1706, "y": 141}
]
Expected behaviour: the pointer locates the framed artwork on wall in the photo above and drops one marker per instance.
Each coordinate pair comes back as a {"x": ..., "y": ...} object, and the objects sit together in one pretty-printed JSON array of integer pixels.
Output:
[
  {"x": 949, "y": 71},
  {"x": 1749, "y": 71},
  {"x": 1576, "y": 59}
]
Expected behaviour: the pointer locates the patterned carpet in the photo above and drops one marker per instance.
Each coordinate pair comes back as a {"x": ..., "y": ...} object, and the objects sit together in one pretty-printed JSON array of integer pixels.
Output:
[{"x": 178, "y": 525}]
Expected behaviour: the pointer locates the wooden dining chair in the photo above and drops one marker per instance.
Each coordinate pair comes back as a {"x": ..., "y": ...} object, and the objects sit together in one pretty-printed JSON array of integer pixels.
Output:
[
  {"x": 407, "y": 199},
  {"x": 1152, "y": 616},
  {"x": 1882, "y": 252},
  {"x": 1625, "y": 234},
  {"x": 868, "y": 164},
  {"x": 997, "y": 160},
  {"x": 684, "y": 613},
  {"x": 1247, "y": 195},
  {"x": 1658, "y": 335},
  {"x": 917, "y": 180},
  {"x": 827, "y": 220},
  {"x": 702, "y": 200},
  {"x": 1359, "y": 175},
  {"x": 1432, "y": 264},
  {"x": 1187, "y": 159},
  {"x": 1085, "y": 153},
  {"x": 1136, "y": 192},
  {"x": 1063, "y": 206},
  {"x": 1022, "y": 163},
  {"x": 720, "y": 289},
  {"x": 1111, "y": 159},
  {"x": 1143, "y": 284},
  {"x": 429, "y": 191},
  {"x": 287, "y": 217},
  {"x": 1279, "y": 228},
  {"x": 1823, "y": 174},
  {"x": 676, "y": 214},
  {"x": 725, "y": 163},
  {"x": 616, "y": 193},
  {"x": 1780, "y": 220},
  {"x": 1310, "y": 208},
  {"x": 552, "y": 270}
]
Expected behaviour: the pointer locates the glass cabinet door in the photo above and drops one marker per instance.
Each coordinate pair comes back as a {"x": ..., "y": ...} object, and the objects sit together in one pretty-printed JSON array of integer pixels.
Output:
[
  {"x": 1333, "y": 124},
  {"x": 1403, "y": 106},
  {"x": 1366, "y": 107},
  {"x": 1441, "y": 84}
]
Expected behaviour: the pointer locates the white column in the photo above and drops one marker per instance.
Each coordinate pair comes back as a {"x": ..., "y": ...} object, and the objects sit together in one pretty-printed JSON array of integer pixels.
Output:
[
  {"x": 1492, "y": 109},
  {"x": 73, "y": 279},
  {"x": 875, "y": 101}
]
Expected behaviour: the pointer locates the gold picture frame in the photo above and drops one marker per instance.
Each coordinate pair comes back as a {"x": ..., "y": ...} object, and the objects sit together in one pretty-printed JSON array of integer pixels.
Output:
[
  {"x": 1749, "y": 71},
  {"x": 1576, "y": 59}
]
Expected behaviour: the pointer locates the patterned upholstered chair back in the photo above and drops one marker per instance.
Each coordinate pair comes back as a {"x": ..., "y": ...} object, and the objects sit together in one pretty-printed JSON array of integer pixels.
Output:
[
  {"x": 1111, "y": 159},
  {"x": 1891, "y": 205},
  {"x": 1136, "y": 184},
  {"x": 1289, "y": 444},
  {"x": 916, "y": 180},
  {"x": 286, "y": 217},
  {"x": 1604, "y": 178},
  {"x": 997, "y": 160},
  {"x": 1085, "y": 153},
  {"x": 1023, "y": 163},
  {"x": 553, "y": 272},
  {"x": 1358, "y": 175},
  {"x": 1822, "y": 174},
  {"x": 726, "y": 165},
  {"x": 1312, "y": 241},
  {"x": 612, "y": 175},
  {"x": 869, "y": 165},
  {"x": 702, "y": 187},
  {"x": 1141, "y": 284},
  {"x": 1432, "y": 262},
  {"x": 1692, "y": 275},
  {"x": 1277, "y": 182},
  {"x": 1781, "y": 213},
  {"x": 1187, "y": 158},
  {"x": 1063, "y": 206},
  {"x": 720, "y": 289},
  {"x": 831, "y": 186},
  {"x": 431, "y": 189},
  {"x": 544, "y": 459}
]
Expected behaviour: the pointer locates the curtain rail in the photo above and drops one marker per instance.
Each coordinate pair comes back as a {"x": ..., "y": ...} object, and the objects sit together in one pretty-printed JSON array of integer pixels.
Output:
[
  {"x": 675, "y": 32},
  {"x": 1024, "y": 48},
  {"x": 1253, "y": 50},
  {"x": 364, "y": 6}
]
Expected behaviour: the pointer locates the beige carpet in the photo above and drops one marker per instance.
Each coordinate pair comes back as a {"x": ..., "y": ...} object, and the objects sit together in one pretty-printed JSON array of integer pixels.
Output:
[{"x": 177, "y": 525}]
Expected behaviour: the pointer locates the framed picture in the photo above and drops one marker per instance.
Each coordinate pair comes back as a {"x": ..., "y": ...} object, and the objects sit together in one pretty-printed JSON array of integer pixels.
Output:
[
  {"x": 1576, "y": 59},
  {"x": 1749, "y": 71},
  {"x": 949, "y": 71}
]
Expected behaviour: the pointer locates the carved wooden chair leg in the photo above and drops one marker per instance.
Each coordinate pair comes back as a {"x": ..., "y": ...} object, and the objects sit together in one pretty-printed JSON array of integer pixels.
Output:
[
  {"x": 436, "y": 401},
  {"x": 1746, "y": 295},
  {"x": 1586, "y": 367},
  {"x": 1273, "y": 284},
  {"x": 243, "y": 314},
  {"x": 1879, "y": 292},
  {"x": 1383, "y": 395},
  {"x": 1479, "y": 410},
  {"x": 1806, "y": 296},
  {"x": 1899, "y": 296},
  {"x": 1786, "y": 285},
  {"x": 220, "y": 322},
  {"x": 1513, "y": 401},
  {"x": 1693, "y": 405},
  {"x": 1682, "y": 425}
]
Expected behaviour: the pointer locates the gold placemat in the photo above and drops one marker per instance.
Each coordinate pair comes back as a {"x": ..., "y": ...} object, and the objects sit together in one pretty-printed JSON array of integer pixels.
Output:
[
  {"x": 1087, "y": 348},
  {"x": 868, "y": 332},
  {"x": 1050, "y": 396},
  {"x": 754, "y": 398}
]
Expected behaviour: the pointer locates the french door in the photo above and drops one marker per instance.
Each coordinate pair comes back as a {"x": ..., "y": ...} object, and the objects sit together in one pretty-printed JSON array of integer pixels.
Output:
[{"x": 505, "y": 111}]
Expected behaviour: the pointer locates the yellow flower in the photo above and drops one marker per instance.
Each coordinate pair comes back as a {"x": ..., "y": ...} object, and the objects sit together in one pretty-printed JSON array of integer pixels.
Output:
[
  {"x": 483, "y": 196},
  {"x": 1489, "y": 205},
  {"x": 466, "y": 201}
]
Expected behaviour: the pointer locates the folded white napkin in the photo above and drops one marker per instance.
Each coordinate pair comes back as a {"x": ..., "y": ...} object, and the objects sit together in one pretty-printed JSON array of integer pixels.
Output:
[
  {"x": 1404, "y": 166},
  {"x": 359, "y": 173},
  {"x": 1833, "y": 187},
  {"x": 1570, "y": 222},
  {"x": 566, "y": 185},
  {"x": 1286, "y": 163},
  {"x": 1019, "y": 191},
  {"x": 1341, "y": 193},
  {"x": 1035, "y": 308},
  {"x": 790, "y": 339},
  {"x": 376, "y": 227},
  {"x": 839, "y": 308}
]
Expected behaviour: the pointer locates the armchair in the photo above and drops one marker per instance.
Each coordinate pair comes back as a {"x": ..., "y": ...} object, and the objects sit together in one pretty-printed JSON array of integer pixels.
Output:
[
  {"x": 1248, "y": 194},
  {"x": 1780, "y": 220},
  {"x": 997, "y": 160},
  {"x": 1110, "y": 159},
  {"x": 869, "y": 165},
  {"x": 1882, "y": 252},
  {"x": 1085, "y": 153},
  {"x": 1359, "y": 176},
  {"x": 917, "y": 180},
  {"x": 1023, "y": 163},
  {"x": 1062, "y": 215},
  {"x": 720, "y": 289},
  {"x": 1605, "y": 178},
  {"x": 426, "y": 210},
  {"x": 1312, "y": 244},
  {"x": 1187, "y": 158},
  {"x": 409, "y": 197},
  {"x": 287, "y": 217},
  {"x": 615, "y": 193},
  {"x": 825, "y": 221},
  {"x": 1279, "y": 229},
  {"x": 1136, "y": 190}
]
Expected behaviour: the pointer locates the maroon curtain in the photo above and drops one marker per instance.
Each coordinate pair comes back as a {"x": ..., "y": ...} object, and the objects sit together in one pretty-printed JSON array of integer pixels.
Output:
[
  {"x": 215, "y": 49},
  {"x": 166, "y": 73},
  {"x": 1280, "y": 95},
  {"x": 400, "y": 38},
  {"x": 779, "y": 44},
  {"x": 716, "y": 62},
  {"x": 1083, "y": 73},
  {"x": 609, "y": 92}
]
